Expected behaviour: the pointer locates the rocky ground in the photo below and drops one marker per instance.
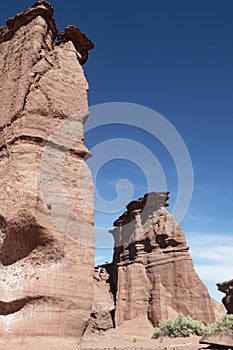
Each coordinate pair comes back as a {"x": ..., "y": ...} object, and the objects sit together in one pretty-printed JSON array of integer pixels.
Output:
[
  {"x": 137, "y": 338},
  {"x": 118, "y": 342},
  {"x": 108, "y": 341}
]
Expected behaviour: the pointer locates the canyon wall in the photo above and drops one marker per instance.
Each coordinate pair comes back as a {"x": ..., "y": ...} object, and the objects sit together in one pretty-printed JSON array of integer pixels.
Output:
[
  {"x": 152, "y": 274},
  {"x": 46, "y": 214}
]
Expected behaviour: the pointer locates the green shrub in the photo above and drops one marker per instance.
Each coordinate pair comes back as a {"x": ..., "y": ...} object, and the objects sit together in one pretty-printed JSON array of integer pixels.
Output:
[
  {"x": 134, "y": 339},
  {"x": 182, "y": 326},
  {"x": 223, "y": 325},
  {"x": 93, "y": 340}
]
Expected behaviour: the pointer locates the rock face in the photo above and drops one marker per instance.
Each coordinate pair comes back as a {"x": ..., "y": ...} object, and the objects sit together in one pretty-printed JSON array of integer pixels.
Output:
[
  {"x": 103, "y": 303},
  {"x": 227, "y": 287},
  {"x": 152, "y": 272},
  {"x": 46, "y": 221},
  {"x": 220, "y": 340}
]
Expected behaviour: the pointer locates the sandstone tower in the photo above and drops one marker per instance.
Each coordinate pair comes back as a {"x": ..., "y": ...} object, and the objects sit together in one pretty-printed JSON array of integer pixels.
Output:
[
  {"x": 152, "y": 273},
  {"x": 46, "y": 214}
]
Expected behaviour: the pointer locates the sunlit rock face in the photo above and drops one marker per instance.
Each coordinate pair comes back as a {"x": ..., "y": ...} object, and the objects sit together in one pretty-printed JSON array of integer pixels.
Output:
[
  {"x": 152, "y": 272},
  {"x": 103, "y": 304},
  {"x": 227, "y": 288},
  {"x": 46, "y": 190}
]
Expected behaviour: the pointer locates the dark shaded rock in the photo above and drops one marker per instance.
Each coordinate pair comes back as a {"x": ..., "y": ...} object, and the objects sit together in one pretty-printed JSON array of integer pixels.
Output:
[
  {"x": 227, "y": 287},
  {"x": 81, "y": 43}
]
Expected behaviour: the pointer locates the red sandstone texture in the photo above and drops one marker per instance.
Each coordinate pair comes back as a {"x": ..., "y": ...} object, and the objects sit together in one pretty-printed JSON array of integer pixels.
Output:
[
  {"x": 103, "y": 304},
  {"x": 46, "y": 221},
  {"x": 152, "y": 274},
  {"x": 220, "y": 340}
]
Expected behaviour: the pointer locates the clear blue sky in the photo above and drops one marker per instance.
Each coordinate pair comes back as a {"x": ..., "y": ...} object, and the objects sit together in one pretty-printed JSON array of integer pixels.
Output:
[{"x": 175, "y": 57}]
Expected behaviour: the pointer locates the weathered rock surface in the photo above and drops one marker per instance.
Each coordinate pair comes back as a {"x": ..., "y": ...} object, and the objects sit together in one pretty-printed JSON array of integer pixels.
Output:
[
  {"x": 219, "y": 310},
  {"x": 220, "y": 339},
  {"x": 227, "y": 287},
  {"x": 152, "y": 272},
  {"x": 103, "y": 304},
  {"x": 46, "y": 259}
]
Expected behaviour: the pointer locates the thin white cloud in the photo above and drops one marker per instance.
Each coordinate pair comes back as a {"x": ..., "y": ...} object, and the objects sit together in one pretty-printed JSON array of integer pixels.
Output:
[
  {"x": 208, "y": 240},
  {"x": 212, "y": 256},
  {"x": 215, "y": 273},
  {"x": 221, "y": 254}
]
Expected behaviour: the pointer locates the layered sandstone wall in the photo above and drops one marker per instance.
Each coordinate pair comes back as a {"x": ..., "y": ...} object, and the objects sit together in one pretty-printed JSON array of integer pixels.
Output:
[
  {"x": 154, "y": 275},
  {"x": 46, "y": 215}
]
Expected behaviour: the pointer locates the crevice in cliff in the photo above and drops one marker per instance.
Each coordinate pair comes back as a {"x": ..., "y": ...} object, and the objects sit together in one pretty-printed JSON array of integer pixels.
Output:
[
  {"x": 12, "y": 307},
  {"x": 36, "y": 78},
  {"x": 166, "y": 251},
  {"x": 38, "y": 75},
  {"x": 81, "y": 153}
]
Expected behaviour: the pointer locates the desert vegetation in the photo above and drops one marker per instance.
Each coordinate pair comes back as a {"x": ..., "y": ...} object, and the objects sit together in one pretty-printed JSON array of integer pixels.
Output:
[{"x": 182, "y": 326}]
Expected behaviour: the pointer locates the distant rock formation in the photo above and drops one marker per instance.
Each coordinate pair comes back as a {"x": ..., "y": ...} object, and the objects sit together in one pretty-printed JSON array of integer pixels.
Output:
[
  {"x": 152, "y": 273},
  {"x": 103, "y": 304},
  {"x": 227, "y": 287},
  {"x": 46, "y": 273}
]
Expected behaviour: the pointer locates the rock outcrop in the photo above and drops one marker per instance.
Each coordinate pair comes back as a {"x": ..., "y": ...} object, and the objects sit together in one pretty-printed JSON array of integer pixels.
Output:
[
  {"x": 220, "y": 340},
  {"x": 102, "y": 316},
  {"x": 152, "y": 273},
  {"x": 46, "y": 216},
  {"x": 227, "y": 287}
]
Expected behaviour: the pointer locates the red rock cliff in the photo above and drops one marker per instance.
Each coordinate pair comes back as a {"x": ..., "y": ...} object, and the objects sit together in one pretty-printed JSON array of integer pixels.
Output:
[
  {"x": 46, "y": 216},
  {"x": 153, "y": 274}
]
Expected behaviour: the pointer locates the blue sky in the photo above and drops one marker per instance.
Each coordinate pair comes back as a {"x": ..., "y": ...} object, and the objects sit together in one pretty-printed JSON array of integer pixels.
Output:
[{"x": 174, "y": 57}]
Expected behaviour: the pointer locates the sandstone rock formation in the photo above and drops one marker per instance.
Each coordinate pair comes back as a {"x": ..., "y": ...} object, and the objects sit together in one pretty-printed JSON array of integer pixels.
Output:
[
  {"x": 220, "y": 340},
  {"x": 152, "y": 273},
  {"x": 227, "y": 287},
  {"x": 46, "y": 215},
  {"x": 219, "y": 310},
  {"x": 103, "y": 304}
]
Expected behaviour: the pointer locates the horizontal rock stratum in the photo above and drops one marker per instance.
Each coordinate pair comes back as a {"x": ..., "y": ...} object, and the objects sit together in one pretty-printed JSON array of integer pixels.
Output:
[
  {"x": 46, "y": 215},
  {"x": 152, "y": 274}
]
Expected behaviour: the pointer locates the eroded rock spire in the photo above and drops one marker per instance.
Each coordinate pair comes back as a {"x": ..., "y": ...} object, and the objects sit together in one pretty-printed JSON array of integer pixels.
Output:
[
  {"x": 46, "y": 214},
  {"x": 152, "y": 273}
]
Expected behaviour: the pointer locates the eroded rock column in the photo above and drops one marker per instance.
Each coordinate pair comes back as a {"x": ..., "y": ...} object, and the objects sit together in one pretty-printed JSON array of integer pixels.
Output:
[
  {"x": 46, "y": 190},
  {"x": 155, "y": 276}
]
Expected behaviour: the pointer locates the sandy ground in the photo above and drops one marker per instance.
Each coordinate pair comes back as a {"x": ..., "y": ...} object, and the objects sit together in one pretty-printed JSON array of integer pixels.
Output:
[
  {"x": 39, "y": 343},
  {"x": 136, "y": 334},
  {"x": 103, "y": 343},
  {"x": 117, "y": 342}
]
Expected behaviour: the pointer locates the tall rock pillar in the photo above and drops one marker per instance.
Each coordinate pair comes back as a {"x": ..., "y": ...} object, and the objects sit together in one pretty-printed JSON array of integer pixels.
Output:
[
  {"x": 154, "y": 276},
  {"x": 46, "y": 189}
]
